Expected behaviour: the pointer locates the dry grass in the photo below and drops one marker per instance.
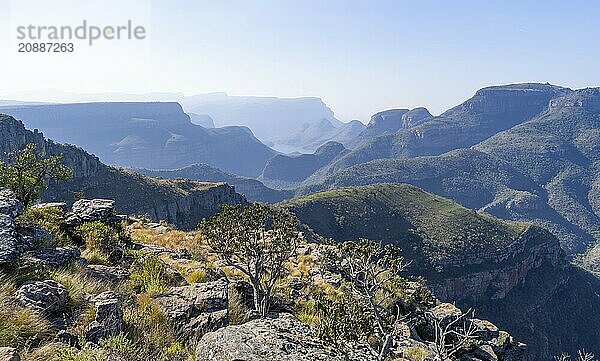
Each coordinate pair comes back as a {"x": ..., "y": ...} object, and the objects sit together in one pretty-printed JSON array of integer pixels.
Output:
[
  {"x": 19, "y": 326},
  {"x": 301, "y": 266},
  {"x": 78, "y": 285},
  {"x": 173, "y": 239}
]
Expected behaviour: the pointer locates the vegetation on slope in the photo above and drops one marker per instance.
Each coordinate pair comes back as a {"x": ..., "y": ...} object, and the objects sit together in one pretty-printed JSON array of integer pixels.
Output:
[{"x": 431, "y": 230}]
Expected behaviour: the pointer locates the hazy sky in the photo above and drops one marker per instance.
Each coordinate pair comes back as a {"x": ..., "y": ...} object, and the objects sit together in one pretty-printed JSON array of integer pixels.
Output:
[{"x": 359, "y": 56}]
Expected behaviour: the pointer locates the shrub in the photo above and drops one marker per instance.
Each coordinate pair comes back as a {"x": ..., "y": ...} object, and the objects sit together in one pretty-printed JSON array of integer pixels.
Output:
[
  {"x": 196, "y": 276},
  {"x": 173, "y": 239},
  {"x": 149, "y": 275},
  {"x": 148, "y": 329},
  {"x": 101, "y": 238},
  {"x": 52, "y": 219},
  {"x": 78, "y": 285},
  {"x": 415, "y": 354},
  {"x": 257, "y": 240}
]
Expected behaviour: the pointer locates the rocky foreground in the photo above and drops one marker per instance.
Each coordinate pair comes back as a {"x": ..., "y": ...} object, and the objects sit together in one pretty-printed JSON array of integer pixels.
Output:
[{"x": 158, "y": 293}]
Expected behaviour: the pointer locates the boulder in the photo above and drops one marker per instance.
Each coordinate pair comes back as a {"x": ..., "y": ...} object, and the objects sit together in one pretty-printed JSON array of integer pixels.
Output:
[
  {"x": 487, "y": 330},
  {"x": 33, "y": 234},
  {"x": 485, "y": 353},
  {"x": 9, "y": 244},
  {"x": 46, "y": 296},
  {"x": 279, "y": 337},
  {"x": 196, "y": 309},
  {"x": 9, "y": 354},
  {"x": 445, "y": 313},
  {"x": 87, "y": 210},
  {"x": 109, "y": 318}
]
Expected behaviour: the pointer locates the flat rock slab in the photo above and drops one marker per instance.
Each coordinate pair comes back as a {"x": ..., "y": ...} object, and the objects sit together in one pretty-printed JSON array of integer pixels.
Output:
[
  {"x": 94, "y": 210},
  {"x": 280, "y": 337}
]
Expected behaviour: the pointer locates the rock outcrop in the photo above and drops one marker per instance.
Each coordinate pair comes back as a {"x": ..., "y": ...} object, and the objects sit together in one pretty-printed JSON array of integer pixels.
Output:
[
  {"x": 8, "y": 240},
  {"x": 90, "y": 210},
  {"x": 196, "y": 309},
  {"x": 108, "y": 320},
  {"x": 280, "y": 337}
]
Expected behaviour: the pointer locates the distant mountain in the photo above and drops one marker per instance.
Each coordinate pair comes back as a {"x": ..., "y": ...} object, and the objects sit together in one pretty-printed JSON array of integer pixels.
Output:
[
  {"x": 286, "y": 171},
  {"x": 180, "y": 202},
  {"x": 203, "y": 120},
  {"x": 560, "y": 150},
  {"x": 313, "y": 135},
  {"x": 146, "y": 135},
  {"x": 272, "y": 120},
  {"x": 490, "y": 111},
  {"x": 545, "y": 170},
  {"x": 511, "y": 273},
  {"x": 391, "y": 121},
  {"x": 472, "y": 178},
  {"x": 252, "y": 189}
]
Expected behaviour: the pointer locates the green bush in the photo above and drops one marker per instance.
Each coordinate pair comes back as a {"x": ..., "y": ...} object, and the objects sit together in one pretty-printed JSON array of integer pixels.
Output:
[
  {"x": 150, "y": 275},
  {"x": 52, "y": 219},
  {"x": 101, "y": 238},
  {"x": 149, "y": 335}
]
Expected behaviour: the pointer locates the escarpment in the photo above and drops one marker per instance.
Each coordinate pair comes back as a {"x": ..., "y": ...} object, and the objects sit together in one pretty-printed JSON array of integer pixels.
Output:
[
  {"x": 181, "y": 202},
  {"x": 505, "y": 268}
]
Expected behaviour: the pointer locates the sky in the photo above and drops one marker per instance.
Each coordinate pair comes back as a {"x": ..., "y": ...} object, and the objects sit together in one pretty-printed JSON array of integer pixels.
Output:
[{"x": 360, "y": 57}]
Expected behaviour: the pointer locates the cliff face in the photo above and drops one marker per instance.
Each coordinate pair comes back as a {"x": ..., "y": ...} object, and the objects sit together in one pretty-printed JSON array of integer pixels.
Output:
[
  {"x": 180, "y": 202},
  {"x": 198, "y": 204},
  {"x": 511, "y": 266}
]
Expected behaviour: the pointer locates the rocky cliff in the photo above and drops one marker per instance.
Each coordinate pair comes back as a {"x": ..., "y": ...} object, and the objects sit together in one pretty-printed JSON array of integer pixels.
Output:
[
  {"x": 508, "y": 268},
  {"x": 390, "y": 121},
  {"x": 179, "y": 201}
]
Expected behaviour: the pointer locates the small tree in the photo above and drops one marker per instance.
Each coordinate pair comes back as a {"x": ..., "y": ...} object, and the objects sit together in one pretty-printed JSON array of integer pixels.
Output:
[
  {"x": 453, "y": 336},
  {"x": 582, "y": 355},
  {"x": 372, "y": 274},
  {"x": 26, "y": 173},
  {"x": 257, "y": 240}
]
